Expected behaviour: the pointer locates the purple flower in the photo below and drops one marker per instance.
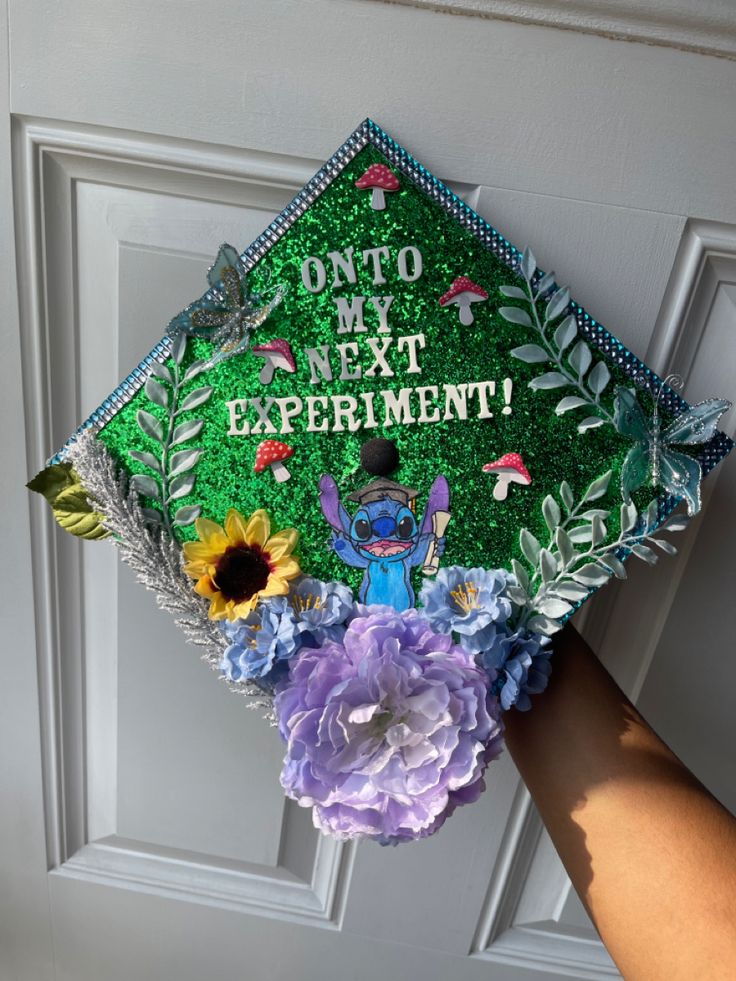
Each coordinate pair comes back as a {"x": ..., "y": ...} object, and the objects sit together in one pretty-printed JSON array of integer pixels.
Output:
[
  {"x": 521, "y": 661},
  {"x": 469, "y": 602},
  {"x": 387, "y": 732}
]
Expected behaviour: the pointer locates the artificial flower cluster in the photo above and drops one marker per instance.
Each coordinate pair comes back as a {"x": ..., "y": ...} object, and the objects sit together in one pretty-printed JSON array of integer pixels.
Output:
[
  {"x": 389, "y": 718},
  {"x": 469, "y": 605},
  {"x": 474, "y": 606},
  {"x": 262, "y": 644}
]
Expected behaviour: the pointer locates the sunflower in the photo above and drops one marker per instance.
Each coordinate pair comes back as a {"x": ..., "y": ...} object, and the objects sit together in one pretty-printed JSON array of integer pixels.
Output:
[{"x": 238, "y": 565}]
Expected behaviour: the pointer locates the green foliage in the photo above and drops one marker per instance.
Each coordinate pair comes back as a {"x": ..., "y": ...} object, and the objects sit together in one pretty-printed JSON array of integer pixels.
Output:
[
  {"x": 172, "y": 473},
  {"x": 70, "y": 505},
  {"x": 578, "y": 558},
  {"x": 51, "y": 481},
  {"x": 574, "y": 366}
]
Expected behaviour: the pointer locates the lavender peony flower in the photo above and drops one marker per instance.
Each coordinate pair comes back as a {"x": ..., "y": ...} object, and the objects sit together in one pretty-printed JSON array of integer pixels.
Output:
[
  {"x": 389, "y": 731},
  {"x": 522, "y": 662},
  {"x": 262, "y": 643},
  {"x": 470, "y": 602}
]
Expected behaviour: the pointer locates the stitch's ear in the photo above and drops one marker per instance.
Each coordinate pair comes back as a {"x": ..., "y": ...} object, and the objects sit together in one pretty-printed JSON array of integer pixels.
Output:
[
  {"x": 329, "y": 501},
  {"x": 438, "y": 500}
]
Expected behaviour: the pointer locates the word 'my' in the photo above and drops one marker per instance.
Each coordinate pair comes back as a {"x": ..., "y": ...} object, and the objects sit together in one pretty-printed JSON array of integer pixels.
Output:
[{"x": 341, "y": 269}]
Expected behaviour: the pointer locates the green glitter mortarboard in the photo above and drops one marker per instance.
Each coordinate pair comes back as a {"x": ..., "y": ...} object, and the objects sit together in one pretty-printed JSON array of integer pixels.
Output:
[{"x": 382, "y": 305}]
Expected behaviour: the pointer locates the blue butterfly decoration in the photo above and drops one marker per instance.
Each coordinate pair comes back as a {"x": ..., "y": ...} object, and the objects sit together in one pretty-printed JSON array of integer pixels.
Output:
[
  {"x": 228, "y": 314},
  {"x": 653, "y": 457}
]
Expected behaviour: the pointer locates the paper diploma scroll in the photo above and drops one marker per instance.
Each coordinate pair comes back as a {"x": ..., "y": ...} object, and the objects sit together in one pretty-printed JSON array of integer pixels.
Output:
[{"x": 440, "y": 521}]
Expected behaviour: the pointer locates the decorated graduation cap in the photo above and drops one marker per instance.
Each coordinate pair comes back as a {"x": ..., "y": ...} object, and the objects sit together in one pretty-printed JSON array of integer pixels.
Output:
[{"x": 470, "y": 455}]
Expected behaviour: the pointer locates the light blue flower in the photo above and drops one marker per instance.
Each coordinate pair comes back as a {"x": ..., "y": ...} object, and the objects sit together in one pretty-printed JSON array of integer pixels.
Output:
[
  {"x": 469, "y": 602},
  {"x": 522, "y": 663},
  {"x": 322, "y": 608},
  {"x": 262, "y": 644}
]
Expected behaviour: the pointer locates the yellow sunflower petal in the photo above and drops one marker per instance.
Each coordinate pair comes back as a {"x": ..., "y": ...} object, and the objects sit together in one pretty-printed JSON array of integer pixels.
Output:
[
  {"x": 218, "y": 607},
  {"x": 242, "y": 609},
  {"x": 258, "y": 528},
  {"x": 205, "y": 587},
  {"x": 211, "y": 534},
  {"x": 287, "y": 568},
  {"x": 200, "y": 552},
  {"x": 282, "y": 544},
  {"x": 235, "y": 527},
  {"x": 274, "y": 587},
  {"x": 196, "y": 569}
]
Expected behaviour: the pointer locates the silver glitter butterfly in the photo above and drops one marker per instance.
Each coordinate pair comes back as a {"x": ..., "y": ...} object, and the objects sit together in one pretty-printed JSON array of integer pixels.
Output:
[
  {"x": 652, "y": 456},
  {"x": 230, "y": 312}
]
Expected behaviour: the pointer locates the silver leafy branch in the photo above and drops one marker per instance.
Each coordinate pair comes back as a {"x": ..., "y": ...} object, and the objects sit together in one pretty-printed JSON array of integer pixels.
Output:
[
  {"x": 570, "y": 360},
  {"x": 578, "y": 558},
  {"x": 153, "y": 555},
  {"x": 173, "y": 477}
]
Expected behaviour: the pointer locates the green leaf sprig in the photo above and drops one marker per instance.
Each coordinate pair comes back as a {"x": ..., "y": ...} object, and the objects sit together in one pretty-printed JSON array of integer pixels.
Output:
[
  {"x": 578, "y": 558},
  {"x": 172, "y": 468},
  {"x": 572, "y": 363}
]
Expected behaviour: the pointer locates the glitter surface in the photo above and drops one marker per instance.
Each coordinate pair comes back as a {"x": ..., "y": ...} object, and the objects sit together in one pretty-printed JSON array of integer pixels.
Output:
[{"x": 482, "y": 531}]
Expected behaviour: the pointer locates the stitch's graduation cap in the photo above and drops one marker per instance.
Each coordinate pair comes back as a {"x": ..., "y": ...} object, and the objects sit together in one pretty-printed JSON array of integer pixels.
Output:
[{"x": 377, "y": 490}]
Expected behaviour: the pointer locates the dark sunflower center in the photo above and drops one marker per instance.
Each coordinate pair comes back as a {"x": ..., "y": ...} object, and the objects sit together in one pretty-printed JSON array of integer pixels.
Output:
[{"x": 242, "y": 571}]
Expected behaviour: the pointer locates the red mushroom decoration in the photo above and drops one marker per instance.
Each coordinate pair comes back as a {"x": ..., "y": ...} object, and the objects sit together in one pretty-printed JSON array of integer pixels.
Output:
[
  {"x": 378, "y": 178},
  {"x": 509, "y": 469},
  {"x": 463, "y": 292},
  {"x": 272, "y": 453},
  {"x": 276, "y": 354}
]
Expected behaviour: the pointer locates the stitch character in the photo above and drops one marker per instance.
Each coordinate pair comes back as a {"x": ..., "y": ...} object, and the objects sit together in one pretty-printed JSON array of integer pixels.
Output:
[{"x": 384, "y": 537}]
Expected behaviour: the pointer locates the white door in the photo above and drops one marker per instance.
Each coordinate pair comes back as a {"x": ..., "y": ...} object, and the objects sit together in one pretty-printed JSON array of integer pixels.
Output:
[{"x": 143, "y": 834}]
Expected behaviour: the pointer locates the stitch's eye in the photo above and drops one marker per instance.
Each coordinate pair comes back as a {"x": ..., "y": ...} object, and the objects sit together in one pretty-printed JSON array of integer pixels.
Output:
[
  {"x": 362, "y": 530},
  {"x": 406, "y": 526}
]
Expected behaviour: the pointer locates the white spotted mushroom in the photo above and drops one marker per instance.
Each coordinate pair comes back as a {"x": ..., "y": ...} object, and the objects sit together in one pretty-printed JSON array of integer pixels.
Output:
[
  {"x": 378, "y": 178},
  {"x": 272, "y": 453},
  {"x": 276, "y": 354},
  {"x": 462, "y": 294},
  {"x": 509, "y": 469}
]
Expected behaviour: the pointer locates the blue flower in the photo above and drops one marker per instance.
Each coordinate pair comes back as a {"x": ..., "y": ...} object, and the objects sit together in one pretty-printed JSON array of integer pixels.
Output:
[
  {"x": 262, "y": 644},
  {"x": 321, "y": 608},
  {"x": 521, "y": 661},
  {"x": 469, "y": 602}
]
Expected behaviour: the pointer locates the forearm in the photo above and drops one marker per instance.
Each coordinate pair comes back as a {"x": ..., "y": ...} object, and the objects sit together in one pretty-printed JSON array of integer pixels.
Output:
[{"x": 650, "y": 852}]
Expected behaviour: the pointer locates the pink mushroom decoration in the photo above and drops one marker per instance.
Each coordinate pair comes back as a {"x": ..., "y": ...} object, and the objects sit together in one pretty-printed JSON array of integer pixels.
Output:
[
  {"x": 272, "y": 453},
  {"x": 378, "y": 178},
  {"x": 509, "y": 469},
  {"x": 276, "y": 354},
  {"x": 462, "y": 293}
]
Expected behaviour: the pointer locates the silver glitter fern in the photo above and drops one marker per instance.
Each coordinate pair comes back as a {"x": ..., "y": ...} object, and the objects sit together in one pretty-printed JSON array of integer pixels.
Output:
[{"x": 154, "y": 557}]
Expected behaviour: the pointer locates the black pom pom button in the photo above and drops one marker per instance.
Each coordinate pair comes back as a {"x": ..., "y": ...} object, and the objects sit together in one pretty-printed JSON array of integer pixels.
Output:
[{"x": 379, "y": 456}]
